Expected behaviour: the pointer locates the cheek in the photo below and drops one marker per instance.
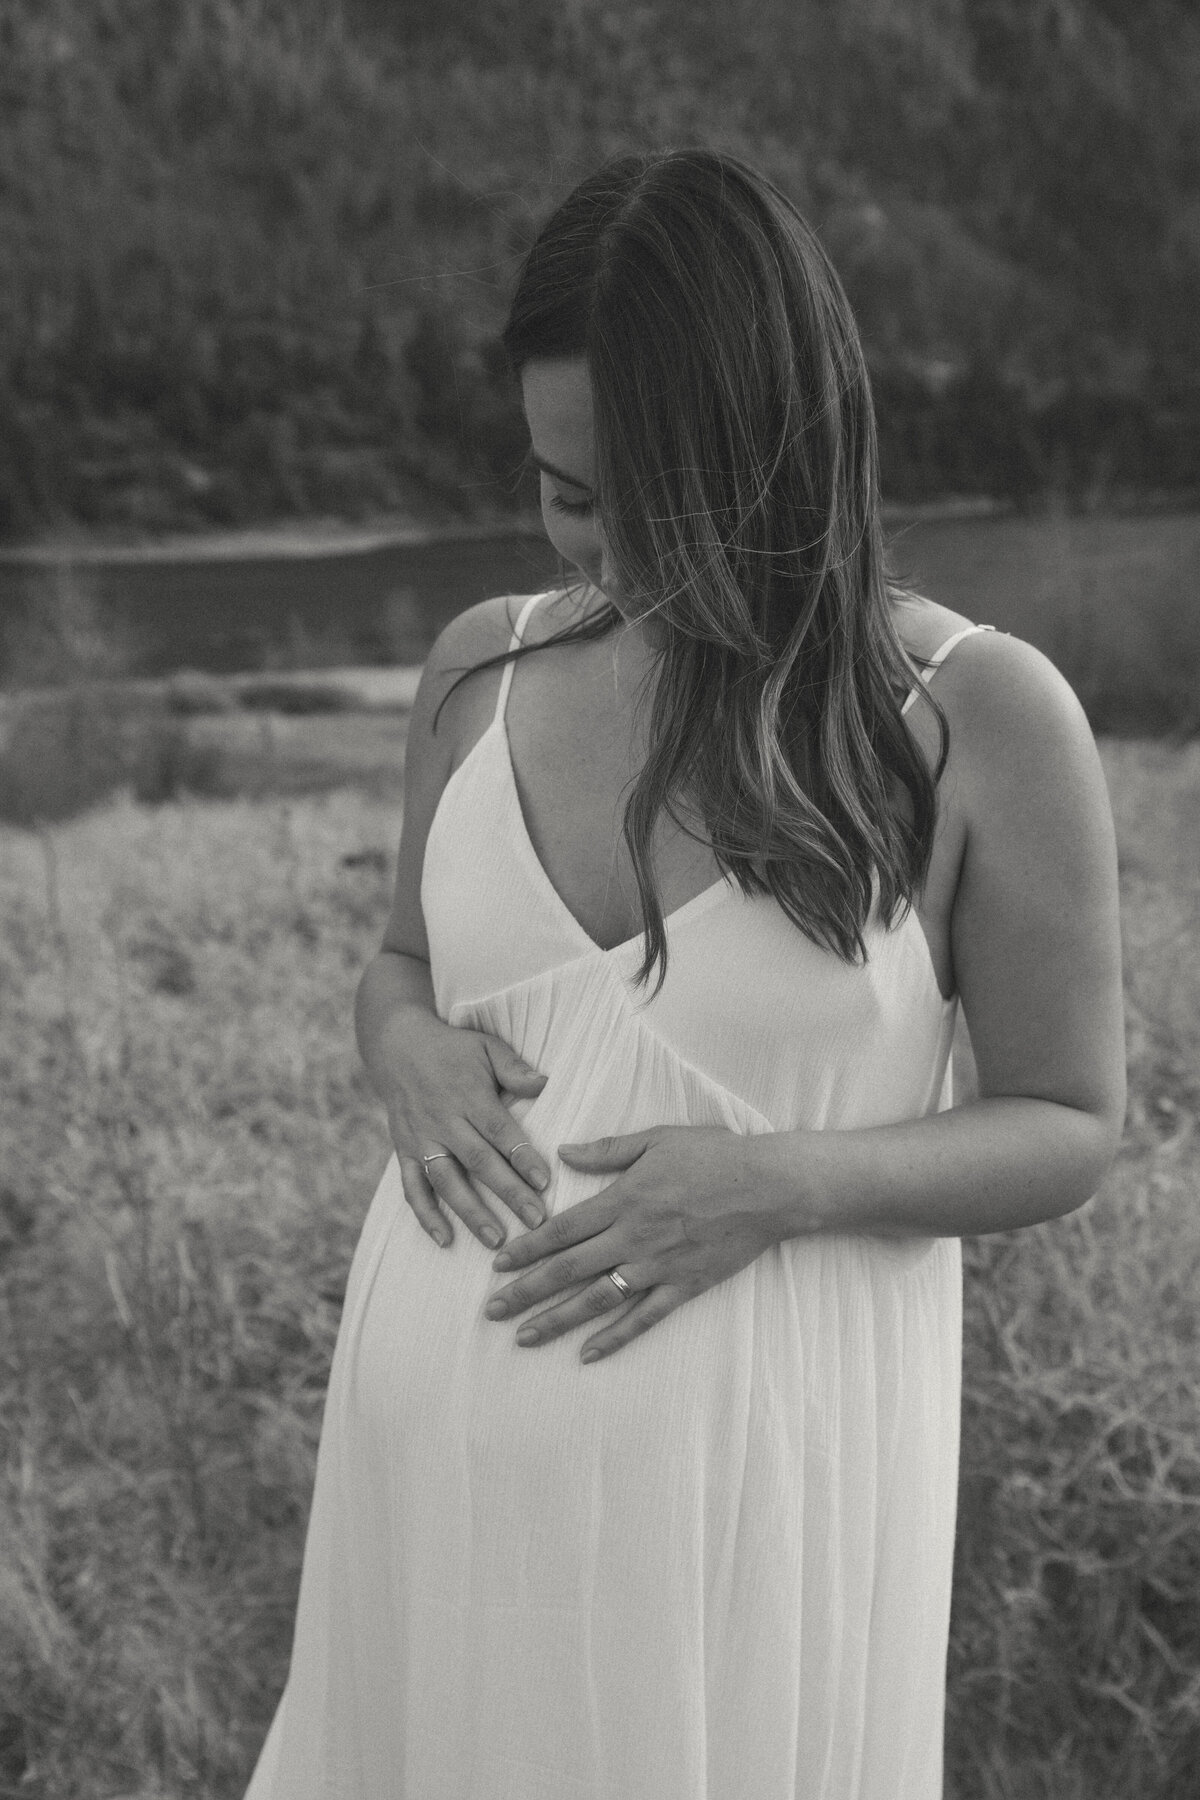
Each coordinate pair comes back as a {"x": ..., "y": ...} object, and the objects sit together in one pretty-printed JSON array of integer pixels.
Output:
[{"x": 576, "y": 539}]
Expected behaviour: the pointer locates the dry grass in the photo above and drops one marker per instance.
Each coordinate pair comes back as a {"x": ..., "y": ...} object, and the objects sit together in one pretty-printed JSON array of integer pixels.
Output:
[
  {"x": 1075, "y": 1665},
  {"x": 189, "y": 1146},
  {"x": 188, "y": 1149}
]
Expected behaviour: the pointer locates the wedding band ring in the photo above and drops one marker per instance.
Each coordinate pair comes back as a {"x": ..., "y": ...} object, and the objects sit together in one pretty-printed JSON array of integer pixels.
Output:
[
  {"x": 523, "y": 1145},
  {"x": 436, "y": 1154},
  {"x": 622, "y": 1285}
]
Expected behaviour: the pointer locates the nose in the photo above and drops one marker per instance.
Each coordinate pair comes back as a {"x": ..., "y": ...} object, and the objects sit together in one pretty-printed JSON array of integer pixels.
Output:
[{"x": 607, "y": 579}]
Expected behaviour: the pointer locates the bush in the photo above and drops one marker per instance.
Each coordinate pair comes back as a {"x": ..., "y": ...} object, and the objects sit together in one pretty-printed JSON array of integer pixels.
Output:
[
  {"x": 297, "y": 697},
  {"x": 194, "y": 693},
  {"x": 61, "y": 751},
  {"x": 56, "y": 631}
]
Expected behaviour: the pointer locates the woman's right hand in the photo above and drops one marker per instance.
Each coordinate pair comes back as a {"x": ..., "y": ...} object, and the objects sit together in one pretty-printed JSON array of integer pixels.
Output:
[{"x": 444, "y": 1087}]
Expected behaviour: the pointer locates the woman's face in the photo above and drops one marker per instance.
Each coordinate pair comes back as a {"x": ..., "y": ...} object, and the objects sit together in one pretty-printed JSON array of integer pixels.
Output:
[{"x": 558, "y": 407}]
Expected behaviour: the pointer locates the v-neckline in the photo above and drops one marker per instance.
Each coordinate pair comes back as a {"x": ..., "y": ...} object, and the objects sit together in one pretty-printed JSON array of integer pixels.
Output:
[
  {"x": 676, "y": 917},
  {"x": 681, "y": 914}
]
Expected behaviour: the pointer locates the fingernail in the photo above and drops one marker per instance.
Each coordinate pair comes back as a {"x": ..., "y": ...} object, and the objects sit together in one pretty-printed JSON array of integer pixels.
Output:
[
  {"x": 491, "y": 1236},
  {"x": 495, "y": 1309},
  {"x": 591, "y": 1356},
  {"x": 527, "y": 1335},
  {"x": 533, "y": 1218},
  {"x": 539, "y": 1181},
  {"x": 503, "y": 1261}
]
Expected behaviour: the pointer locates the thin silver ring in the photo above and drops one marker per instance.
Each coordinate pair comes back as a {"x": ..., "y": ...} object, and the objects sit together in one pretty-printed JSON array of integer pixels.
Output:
[
  {"x": 623, "y": 1286},
  {"x": 523, "y": 1145},
  {"x": 434, "y": 1157}
]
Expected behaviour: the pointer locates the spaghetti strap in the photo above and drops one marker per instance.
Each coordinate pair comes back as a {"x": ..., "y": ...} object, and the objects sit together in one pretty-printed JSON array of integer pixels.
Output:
[
  {"x": 934, "y": 663},
  {"x": 518, "y": 637}
]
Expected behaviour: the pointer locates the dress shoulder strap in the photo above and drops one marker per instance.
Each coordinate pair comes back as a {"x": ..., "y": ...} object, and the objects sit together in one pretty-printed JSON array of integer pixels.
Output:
[
  {"x": 934, "y": 662},
  {"x": 518, "y": 638}
]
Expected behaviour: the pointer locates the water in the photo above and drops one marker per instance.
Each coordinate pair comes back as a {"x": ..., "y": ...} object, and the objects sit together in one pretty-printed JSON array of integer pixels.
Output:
[
  {"x": 380, "y": 604},
  {"x": 381, "y": 600},
  {"x": 1108, "y": 599}
]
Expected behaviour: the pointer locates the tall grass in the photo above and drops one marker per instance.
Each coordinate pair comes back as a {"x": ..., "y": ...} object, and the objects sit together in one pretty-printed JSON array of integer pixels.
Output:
[
  {"x": 1075, "y": 1666},
  {"x": 188, "y": 1149}
]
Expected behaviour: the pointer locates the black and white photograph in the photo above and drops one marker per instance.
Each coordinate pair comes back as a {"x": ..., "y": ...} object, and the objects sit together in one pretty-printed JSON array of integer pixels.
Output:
[{"x": 599, "y": 900}]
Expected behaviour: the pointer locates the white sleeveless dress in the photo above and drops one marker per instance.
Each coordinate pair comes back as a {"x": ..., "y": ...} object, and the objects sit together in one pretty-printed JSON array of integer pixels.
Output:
[{"x": 716, "y": 1565}]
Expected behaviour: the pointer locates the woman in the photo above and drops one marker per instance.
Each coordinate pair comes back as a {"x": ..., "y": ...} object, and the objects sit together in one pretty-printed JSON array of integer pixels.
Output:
[{"x": 694, "y": 873}]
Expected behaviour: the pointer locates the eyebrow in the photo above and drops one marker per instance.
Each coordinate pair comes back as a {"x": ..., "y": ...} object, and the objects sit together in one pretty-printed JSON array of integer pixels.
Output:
[{"x": 558, "y": 474}]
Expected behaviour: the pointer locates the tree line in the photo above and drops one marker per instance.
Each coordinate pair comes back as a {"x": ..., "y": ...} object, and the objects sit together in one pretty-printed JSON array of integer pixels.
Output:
[{"x": 257, "y": 251}]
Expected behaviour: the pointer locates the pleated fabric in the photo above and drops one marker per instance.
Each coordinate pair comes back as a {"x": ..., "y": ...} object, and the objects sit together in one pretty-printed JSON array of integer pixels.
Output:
[{"x": 715, "y": 1566}]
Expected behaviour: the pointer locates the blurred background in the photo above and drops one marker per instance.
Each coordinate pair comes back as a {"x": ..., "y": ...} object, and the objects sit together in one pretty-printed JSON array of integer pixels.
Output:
[
  {"x": 257, "y": 444},
  {"x": 257, "y": 258}
]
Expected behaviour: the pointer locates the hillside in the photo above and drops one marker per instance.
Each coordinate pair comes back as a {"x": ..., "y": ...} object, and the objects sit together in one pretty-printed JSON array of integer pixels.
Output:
[{"x": 257, "y": 251}]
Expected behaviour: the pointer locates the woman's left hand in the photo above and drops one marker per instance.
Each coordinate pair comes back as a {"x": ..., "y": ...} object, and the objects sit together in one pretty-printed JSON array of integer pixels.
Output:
[{"x": 686, "y": 1211}]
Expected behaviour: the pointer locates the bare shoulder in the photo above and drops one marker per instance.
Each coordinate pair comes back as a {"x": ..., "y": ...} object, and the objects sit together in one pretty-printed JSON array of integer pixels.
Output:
[
  {"x": 1014, "y": 720},
  {"x": 444, "y": 719},
  {"x": 1007, "y": 707},
  {"x": 924, "y": 625},
  {"x": 486, "y": 629},
  {"x": 473, "y": 635},
  {"x": 1035, "y": 920},
  {"x": 471, "y": 638}
]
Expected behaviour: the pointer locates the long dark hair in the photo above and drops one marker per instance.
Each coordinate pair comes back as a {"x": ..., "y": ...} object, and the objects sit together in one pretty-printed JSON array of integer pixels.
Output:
[{"x": 737, "y": 489}]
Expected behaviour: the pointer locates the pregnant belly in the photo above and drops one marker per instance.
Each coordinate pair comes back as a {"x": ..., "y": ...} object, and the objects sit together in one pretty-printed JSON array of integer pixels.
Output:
[
  {"x": 730, "y": 1462},
  {"x": 819, "y": 1352},
  {"x": 416, "y": 1312}
]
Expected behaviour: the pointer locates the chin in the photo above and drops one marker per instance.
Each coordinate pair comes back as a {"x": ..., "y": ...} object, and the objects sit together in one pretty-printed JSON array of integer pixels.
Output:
[
  {"x": 592, "y": 583},
  {"x": 612, "y": 594}
]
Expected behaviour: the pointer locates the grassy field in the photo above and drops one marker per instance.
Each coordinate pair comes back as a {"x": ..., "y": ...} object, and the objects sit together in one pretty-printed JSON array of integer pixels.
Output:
[{"x": 189, "y": 1147}]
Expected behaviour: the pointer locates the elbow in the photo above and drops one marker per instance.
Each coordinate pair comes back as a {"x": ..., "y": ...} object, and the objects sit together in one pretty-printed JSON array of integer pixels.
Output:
[
  {"x": 365, "y": 982},
  {"x": 1100, "y": 1131},
  {"x": 1110, "y": 1119}
]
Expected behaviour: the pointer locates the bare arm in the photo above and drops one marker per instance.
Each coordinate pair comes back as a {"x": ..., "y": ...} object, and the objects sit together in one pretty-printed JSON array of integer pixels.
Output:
[
  {"x": 1036, "y": 947},
  {"x": 1036, "y": 950},
  {"x": 442, "y": 1086}
]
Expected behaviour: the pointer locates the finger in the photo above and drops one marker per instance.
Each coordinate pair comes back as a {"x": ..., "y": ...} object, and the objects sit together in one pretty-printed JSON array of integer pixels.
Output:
[
  {"x": 483, "y": 1162},
  {"x": 520, "y": 1158},
  {"x": 422, "y": 1200},
  {"x": 646, "y": 1311},
  {"x": 455, "y": 1192},
  {"x": 606, "y": 1152},
  {"x": 596, "y": 1300},
  {"x": 521, "y": 1155},
  {"x": 571, "y": 1226},
  {"x": 515, "y": 1076},
  {"x": 582, "y": 1264},
  {"x": 512, "y": 1072}
]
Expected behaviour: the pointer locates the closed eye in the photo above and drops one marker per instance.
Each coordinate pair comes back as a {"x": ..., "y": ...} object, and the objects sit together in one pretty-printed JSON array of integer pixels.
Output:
[{"x": 580, "y": 508}]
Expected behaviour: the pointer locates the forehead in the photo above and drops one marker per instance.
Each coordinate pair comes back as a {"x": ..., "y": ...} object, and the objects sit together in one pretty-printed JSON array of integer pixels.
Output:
[{"x": 558, "y": 406}]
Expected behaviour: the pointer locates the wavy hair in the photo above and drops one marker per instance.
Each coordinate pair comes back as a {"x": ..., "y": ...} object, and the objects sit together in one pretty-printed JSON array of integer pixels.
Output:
[{"x": 737, "y": 490}]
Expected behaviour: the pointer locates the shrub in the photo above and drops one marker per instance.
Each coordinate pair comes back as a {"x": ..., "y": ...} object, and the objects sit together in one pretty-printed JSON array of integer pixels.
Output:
[
  {"x": 61, "y": 751},
  {"x": 57, "y": 630},
  {"x": 299, "y": 697},
  {"x": 193, "y": 693}
]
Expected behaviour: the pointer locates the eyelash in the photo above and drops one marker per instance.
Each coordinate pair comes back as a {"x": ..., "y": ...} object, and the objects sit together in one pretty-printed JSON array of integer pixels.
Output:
[{"x": 578, "y": 507}]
